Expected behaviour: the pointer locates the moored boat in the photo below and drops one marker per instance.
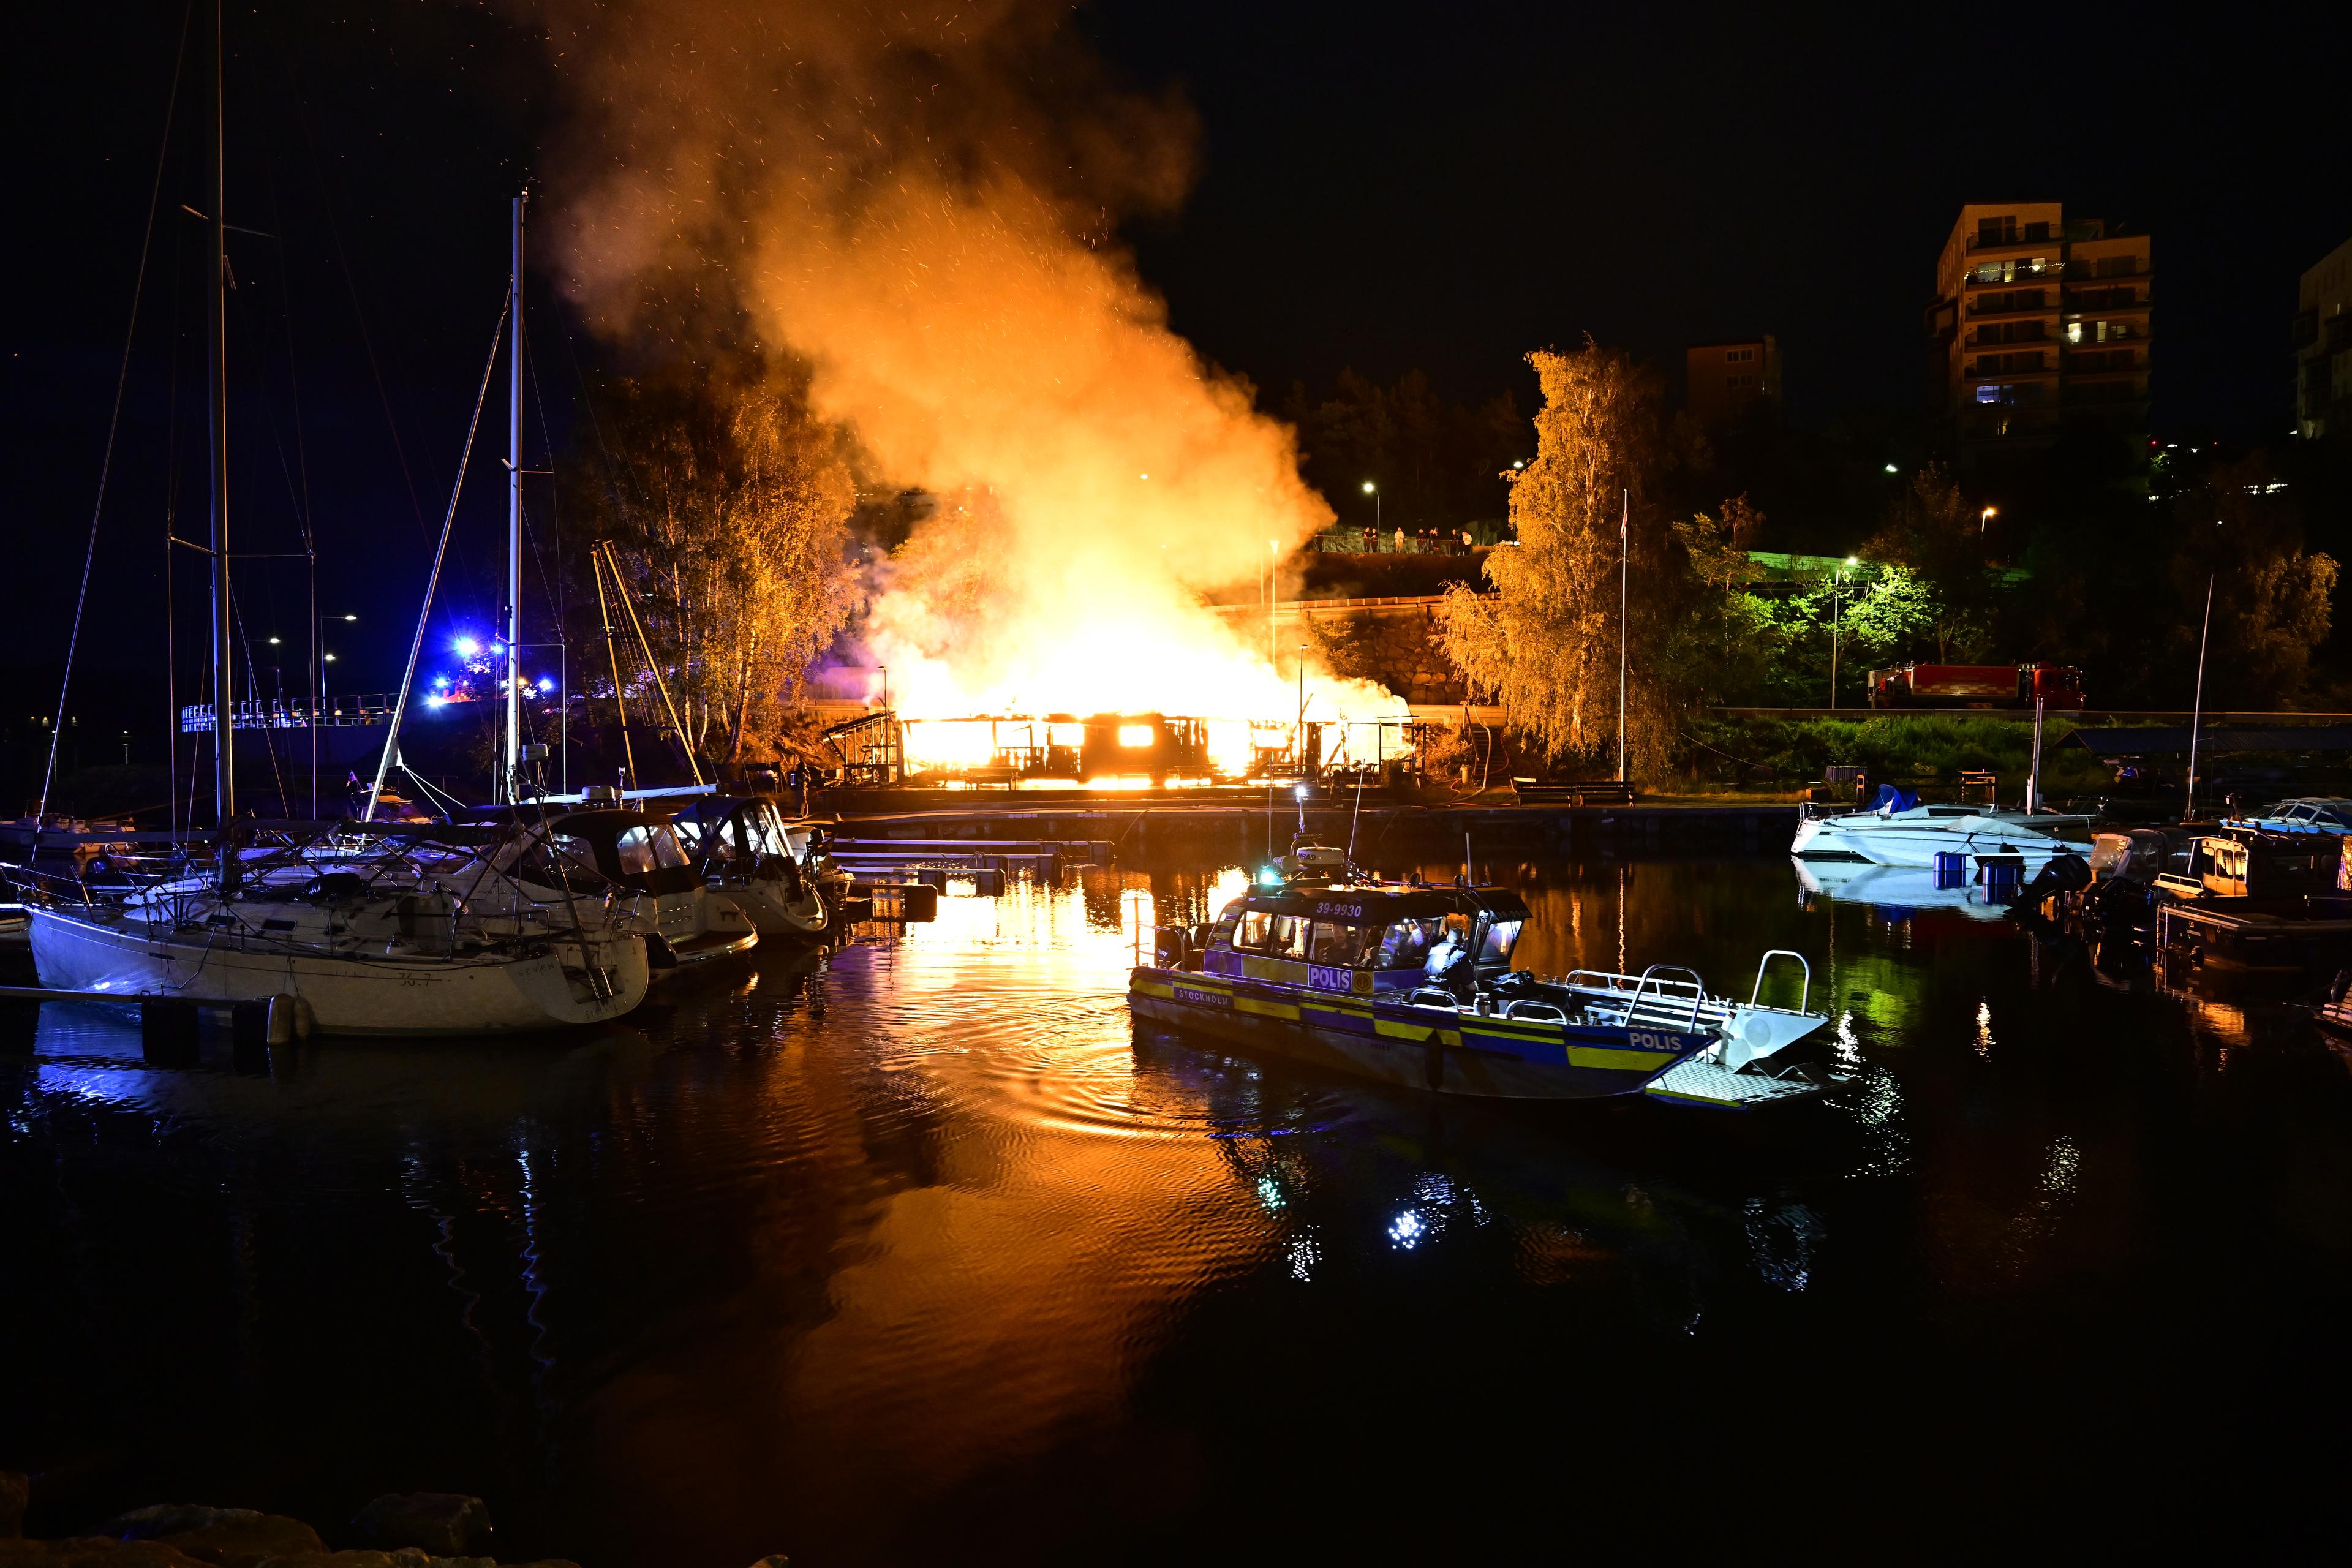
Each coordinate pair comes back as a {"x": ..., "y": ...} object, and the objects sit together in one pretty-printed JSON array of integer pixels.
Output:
[
  {"x": 1915, "y": 837},
  {"x": 1413, "y": 985},
  {"x": 747, "y": 850},
  {"x": 372, "y": 939}
]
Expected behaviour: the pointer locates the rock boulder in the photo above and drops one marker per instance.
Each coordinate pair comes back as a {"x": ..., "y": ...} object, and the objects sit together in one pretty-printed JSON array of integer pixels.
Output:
[{"x": 447, "y": 1523}]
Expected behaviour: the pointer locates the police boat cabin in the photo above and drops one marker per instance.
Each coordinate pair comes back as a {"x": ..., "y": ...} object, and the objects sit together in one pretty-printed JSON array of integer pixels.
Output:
[{"x": 1413, "y": 985}]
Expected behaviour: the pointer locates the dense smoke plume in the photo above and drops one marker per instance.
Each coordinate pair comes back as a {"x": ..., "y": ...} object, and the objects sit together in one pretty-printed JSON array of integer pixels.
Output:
[{"x": 921, "y": 205}]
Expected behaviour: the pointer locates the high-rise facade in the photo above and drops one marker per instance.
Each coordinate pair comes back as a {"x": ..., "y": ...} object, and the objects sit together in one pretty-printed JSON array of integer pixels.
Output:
[
  {"x": 1723, "y": 381},
  {"x": 2038, "y": 320},
  {"x": 2323, "y": 348}
]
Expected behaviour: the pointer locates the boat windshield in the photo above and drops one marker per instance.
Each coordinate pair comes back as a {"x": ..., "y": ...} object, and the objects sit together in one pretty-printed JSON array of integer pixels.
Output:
[
  {"x": 1283, "y": 936},
  {"x": 763, "y": 831},
  {"x": 1340, "y": 945},
  {"x": 1406, "y": 944},
  {"x": 646, "y": 849},
  {"x": 1500, "y": 937},
  {"x": 561, "y": 861}
]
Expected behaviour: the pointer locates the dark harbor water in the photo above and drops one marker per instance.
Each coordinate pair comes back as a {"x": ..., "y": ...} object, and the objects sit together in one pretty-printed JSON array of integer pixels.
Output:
[{"x": 934, "y": 1257}]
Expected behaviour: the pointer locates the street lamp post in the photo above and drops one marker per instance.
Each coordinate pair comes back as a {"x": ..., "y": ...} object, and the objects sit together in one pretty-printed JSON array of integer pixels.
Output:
[
  {"x": 1836, "y": 610},
  {"x": 319, "y": 697},
  {"x": 1373, "y": 490}
]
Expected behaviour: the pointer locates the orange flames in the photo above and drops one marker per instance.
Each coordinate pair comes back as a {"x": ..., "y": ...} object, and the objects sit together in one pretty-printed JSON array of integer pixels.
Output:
[{"x": 900, "y": 202}]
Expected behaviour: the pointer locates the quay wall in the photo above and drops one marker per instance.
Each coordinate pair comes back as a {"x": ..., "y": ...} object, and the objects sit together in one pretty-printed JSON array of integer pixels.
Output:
[{"x": 1238, "y": 826}]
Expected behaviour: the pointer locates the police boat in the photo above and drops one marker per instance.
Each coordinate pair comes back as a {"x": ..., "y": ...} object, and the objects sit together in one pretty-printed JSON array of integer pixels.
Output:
[{"x": 1411, "y": 984}]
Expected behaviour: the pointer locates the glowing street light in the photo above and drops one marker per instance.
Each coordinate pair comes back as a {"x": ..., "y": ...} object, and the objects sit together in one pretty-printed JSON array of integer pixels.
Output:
[
  {"x": 1373, "y": 490},
  {"x": 1985, "y": 518},
  {"x": 467, "y": 647},
  {"x": 1890, "y": 468}
]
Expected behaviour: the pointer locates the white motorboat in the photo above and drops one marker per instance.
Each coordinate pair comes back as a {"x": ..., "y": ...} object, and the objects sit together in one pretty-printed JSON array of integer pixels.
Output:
[
  {"x": 368, "y": 943},
  {"x": 753, "y": 854},
  {"x": 2307, "y": 813},
  {"x": 633, "y": 862},
  {"x": 1915, "y": 837}
]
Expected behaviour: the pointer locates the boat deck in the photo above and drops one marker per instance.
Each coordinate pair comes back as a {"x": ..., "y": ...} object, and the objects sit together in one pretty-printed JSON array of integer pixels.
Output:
[{"x": 1717, "y": 1087}]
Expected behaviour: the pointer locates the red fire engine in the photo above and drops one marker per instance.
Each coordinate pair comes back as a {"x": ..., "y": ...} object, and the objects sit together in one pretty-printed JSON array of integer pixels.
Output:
[{"x": 1977, "y": 686}]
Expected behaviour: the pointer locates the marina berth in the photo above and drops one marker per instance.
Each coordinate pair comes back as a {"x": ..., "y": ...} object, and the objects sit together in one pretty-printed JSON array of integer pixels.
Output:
[{"x": 1413, "y": 985}]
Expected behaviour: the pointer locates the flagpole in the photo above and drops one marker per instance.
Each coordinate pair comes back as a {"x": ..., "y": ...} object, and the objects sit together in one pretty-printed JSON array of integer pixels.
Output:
[
  {"x": 2197, "y": 711},
  {"x": 1624, "y": 550}
]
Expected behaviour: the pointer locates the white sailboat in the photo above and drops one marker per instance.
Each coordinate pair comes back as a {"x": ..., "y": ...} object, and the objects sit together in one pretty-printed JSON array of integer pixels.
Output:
[{"x": 369, "y": 933}]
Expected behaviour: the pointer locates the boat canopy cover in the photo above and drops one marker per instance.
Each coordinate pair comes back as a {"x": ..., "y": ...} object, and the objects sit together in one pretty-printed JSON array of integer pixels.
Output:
[
  {"x": 2169, "y": 740},
  {"x": 1890, "y": 798},
  {"x": 1385, "y": 903}
]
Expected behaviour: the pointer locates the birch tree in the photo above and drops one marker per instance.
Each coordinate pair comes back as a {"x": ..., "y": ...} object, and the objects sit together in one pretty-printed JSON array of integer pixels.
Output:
[
  {"x": 1544, "y": 643},
  {"x": 727, "y": 506}
]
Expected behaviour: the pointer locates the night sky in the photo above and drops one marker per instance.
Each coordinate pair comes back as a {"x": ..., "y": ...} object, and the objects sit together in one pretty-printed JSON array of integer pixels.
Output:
[{"x": 1379, "y": 189}]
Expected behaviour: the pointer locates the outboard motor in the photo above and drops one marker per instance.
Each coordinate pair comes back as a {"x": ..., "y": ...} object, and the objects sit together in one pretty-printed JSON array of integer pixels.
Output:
[{"x": 2064, "y": 874}]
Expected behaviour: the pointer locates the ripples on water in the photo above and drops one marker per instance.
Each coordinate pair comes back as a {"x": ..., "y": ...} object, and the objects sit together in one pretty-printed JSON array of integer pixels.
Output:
[{"x": 926, "y": 1253}]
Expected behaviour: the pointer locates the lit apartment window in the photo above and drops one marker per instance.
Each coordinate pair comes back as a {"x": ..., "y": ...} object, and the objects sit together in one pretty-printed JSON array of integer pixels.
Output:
[{"x": 2074, "y": 331}]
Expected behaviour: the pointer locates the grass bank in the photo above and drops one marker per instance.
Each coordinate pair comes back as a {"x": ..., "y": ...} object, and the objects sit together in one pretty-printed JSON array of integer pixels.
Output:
[{"x": 1749, "y": 754}]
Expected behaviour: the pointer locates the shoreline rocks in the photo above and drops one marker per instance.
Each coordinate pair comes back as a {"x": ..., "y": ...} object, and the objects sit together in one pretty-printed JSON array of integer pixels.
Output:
[{"x": 415, "y": 1530}]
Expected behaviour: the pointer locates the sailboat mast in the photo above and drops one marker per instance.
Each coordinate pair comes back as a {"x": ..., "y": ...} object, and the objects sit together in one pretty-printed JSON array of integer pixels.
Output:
[
  {"x": 510, "y": 753},
  {"x": 224, "y": 664}
]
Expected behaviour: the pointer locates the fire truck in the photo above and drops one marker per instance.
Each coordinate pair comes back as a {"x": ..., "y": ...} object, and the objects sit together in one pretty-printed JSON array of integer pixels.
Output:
[{"x": 1977, "y": 686}]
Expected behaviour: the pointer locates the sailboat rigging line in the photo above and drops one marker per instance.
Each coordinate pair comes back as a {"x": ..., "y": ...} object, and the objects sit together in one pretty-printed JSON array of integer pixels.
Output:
[
  {"x": 555, "y": 593},
  {"x": 612, "y": 657},
  {"x": 114, "y": 417},
  {"x": 440, "y": 551},
  {"x": 253, "y": 683},
  {"x": 684, "y": 742}
]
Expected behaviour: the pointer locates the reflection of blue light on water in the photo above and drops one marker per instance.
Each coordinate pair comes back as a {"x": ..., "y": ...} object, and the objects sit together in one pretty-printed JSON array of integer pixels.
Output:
[
  {"x": 1406, "y": 1230},
  {"x": 1269, "y": 1192}
]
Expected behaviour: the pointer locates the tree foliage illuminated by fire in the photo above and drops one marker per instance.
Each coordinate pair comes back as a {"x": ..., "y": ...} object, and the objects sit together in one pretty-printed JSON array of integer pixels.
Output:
[
  {"x": 728, "y": 505},
  {"x": 1544, "y": 643}
]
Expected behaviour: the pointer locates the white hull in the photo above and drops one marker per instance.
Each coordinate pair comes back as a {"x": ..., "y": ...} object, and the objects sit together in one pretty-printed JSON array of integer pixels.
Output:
[
  {"x": 1910, "y": 840},
  {"x": 774, "y": 913},
  {"x": 346, "y": 994}
]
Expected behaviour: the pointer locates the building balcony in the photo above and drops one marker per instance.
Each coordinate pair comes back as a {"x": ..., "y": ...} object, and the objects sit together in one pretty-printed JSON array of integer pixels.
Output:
[
  {"x": 1974, "y": 374},
  {"x": 2048, "y": 278},
  {"x": 1978, "y": 312},
  {"x": 2076, "y": 305},
  {"x": 2024, "y": 237},
  {"x": 2107, "y": 374}
]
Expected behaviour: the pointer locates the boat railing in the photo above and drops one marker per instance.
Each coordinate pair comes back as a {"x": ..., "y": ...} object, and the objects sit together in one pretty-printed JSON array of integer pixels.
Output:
[
  {"x": 1649, "y": 997},
  {"x": 1804, "y": 1000}
]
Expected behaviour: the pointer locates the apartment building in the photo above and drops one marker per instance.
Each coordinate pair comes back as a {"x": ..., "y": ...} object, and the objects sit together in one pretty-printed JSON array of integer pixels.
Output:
[
  {"x": 2038, "y": 319},
  {"x": 1723, "y": 381},
  {"x": 2323, "y": 348}
]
